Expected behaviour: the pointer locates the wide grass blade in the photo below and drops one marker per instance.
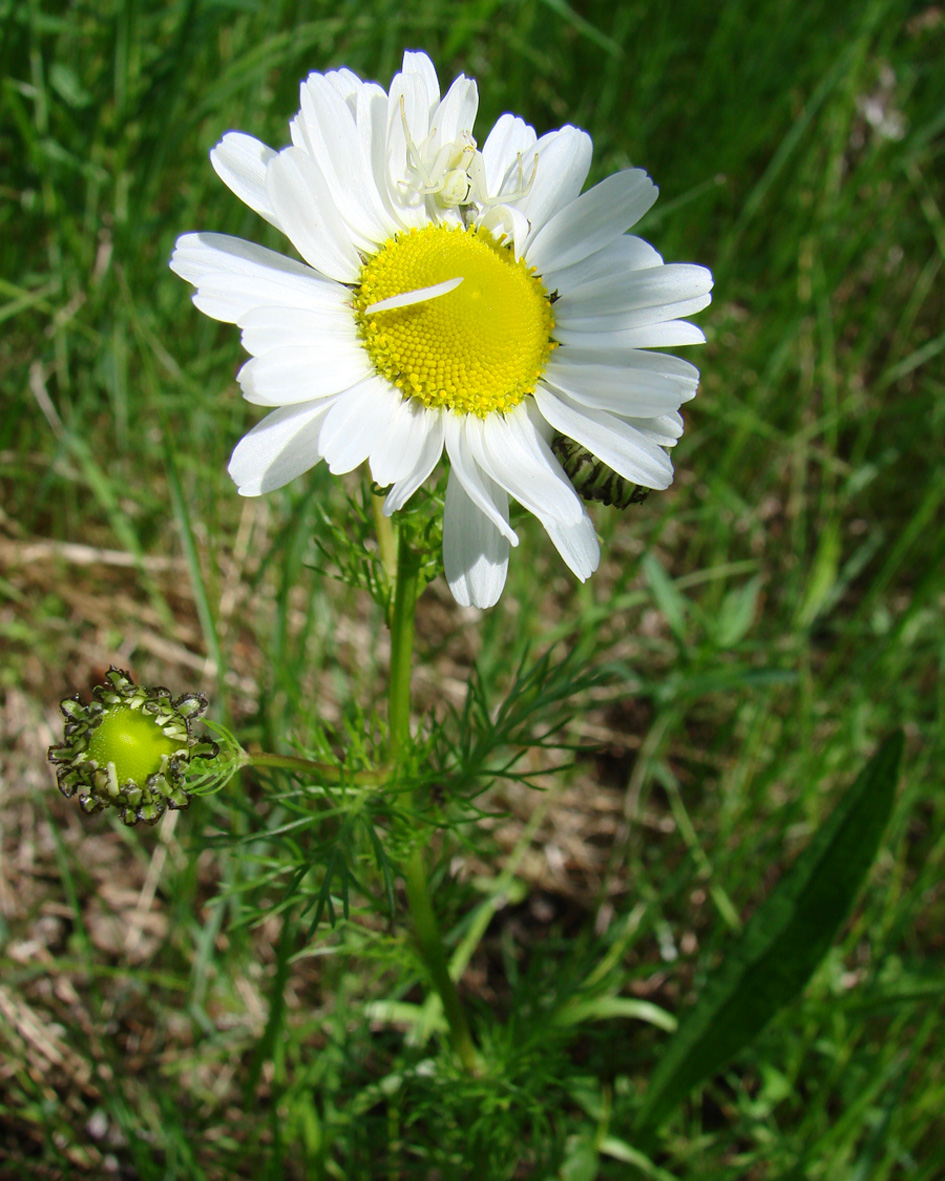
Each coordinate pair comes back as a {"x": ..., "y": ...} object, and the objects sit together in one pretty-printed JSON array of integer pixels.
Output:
[{"x": 783, "y": 942}]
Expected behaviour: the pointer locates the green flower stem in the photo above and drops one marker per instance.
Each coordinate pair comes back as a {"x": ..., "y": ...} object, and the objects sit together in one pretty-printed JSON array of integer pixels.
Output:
[
  {"x": 427, "y": 938},
  {"x": 386, "y": 541},
  {"x": 430, "y": 946},
  {"x": 403, "y": 605}
]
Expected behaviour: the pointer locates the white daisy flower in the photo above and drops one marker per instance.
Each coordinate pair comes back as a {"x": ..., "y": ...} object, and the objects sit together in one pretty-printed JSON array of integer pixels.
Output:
[{"x": 450, "y": 296}]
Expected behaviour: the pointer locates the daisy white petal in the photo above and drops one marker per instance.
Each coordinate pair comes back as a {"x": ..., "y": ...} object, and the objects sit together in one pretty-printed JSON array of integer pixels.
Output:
[
  {"x": 233, "y": 277},
  {"x": 399, "y": 454},
  {"x": 650, "y": 335},
  {"x": 475, "y": 553},
  {"x": 475, "y": 482},
  {"x": 644, "y": 317},
  {"x": 240, "y": 161},
  {"x": 648, "y": 291},
  {"x": 418, "y": 76},
  {"x": 348, "y": 85},
  {"x": 455, "y": 115},
  {"x": 303, "y": 202},
  {"x": 426, "y": 460},
  {"x": 632, "y": 360},
  {"x": 276, "y": 450},
  {"x": 506, "y": 224},
  {"x": 618, "y": 389},
  {"x": 412, "y": 297},
  {"x": 593, "y": 220},
  {"x": 330, "y": 132},
  {"x": 356, "y": 424},
  {"x": 414, "y": 96},
  {"x": 509, "y": 146},
  {"x": 605, "y": 435},
  {"x": 515, "y": 460},
  {"x": 268, "y": 328},
  {"x": 662, "y": 335},
  {"x": 563, "y": 162},
  {"x": 371, "y": 112},
  {"x": 626, "y": 253},
  {"x": 575, "y": 540},
  {"x": 664, "y": 431},
  {"x": 514, "y": 454},
  {"x": 287, "y": 376}
]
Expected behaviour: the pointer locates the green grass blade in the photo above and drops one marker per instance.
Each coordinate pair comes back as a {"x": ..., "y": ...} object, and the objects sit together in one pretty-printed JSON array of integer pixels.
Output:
[{"x": 783, "y": 942}]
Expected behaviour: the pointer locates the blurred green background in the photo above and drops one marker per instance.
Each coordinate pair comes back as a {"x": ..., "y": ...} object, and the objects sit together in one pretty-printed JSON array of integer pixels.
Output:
[{"x": 764, "y": 622}]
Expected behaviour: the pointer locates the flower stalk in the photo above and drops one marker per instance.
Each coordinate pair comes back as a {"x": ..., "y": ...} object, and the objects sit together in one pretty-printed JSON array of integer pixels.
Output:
[{"x": 427, "y": 938}]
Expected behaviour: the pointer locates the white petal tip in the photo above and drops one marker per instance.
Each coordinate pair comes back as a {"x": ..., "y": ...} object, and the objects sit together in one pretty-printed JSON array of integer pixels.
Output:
[{"x": 480, "y": 597}]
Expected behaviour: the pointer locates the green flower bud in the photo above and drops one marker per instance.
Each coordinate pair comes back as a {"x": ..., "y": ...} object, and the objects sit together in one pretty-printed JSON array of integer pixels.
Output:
[{"x": 130, "y": 748}]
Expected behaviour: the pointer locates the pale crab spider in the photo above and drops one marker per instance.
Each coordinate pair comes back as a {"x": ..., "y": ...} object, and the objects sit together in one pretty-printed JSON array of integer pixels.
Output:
[{"x": 457, "y": 174}]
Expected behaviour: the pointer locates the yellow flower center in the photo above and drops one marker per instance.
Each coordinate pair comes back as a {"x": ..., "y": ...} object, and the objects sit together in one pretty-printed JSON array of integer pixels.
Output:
[
  {"x": 479, "y": 348},
  {"x": 133, "y": 741}
]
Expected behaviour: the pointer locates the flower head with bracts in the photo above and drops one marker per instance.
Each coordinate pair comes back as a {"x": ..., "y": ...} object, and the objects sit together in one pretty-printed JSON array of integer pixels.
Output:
[
  {"x": 131, "y": 748},
  {"x": 449, "y": 296}
]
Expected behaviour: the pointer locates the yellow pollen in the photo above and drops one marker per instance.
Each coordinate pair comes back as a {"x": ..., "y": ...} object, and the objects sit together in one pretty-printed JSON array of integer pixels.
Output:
[{"x": 480, "y": 348}]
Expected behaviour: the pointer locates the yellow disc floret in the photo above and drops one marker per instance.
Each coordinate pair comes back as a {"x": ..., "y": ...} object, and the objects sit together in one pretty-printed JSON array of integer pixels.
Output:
[{"x": 481, "y": 347}]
